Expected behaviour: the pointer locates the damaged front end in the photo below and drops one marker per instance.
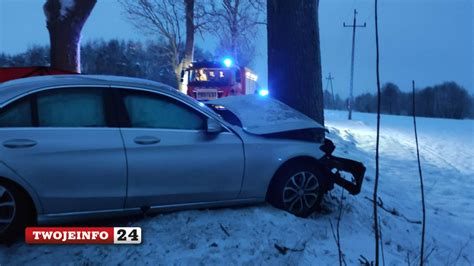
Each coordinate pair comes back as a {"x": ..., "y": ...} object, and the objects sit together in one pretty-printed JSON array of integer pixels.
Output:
[
  {"x": 277, "y": 120},
  {"x": 335, "y": 165}
]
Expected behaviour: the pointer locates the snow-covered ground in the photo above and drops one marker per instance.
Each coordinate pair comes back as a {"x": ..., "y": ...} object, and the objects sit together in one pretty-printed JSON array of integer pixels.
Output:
[{"x": 248, "y": 235}]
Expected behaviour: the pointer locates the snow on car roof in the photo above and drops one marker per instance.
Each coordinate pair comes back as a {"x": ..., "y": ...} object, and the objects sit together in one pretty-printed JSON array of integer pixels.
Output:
[{"x": 265, "y": 115}]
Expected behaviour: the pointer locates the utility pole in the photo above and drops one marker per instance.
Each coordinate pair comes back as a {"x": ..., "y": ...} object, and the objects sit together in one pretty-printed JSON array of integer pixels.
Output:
[
  {"x": 330, "y": 79},
  {"x": 351, "y": 95}
]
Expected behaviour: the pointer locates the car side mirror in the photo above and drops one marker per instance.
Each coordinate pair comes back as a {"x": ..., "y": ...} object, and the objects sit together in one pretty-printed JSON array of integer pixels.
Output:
[{"x": 213, "y": 126}]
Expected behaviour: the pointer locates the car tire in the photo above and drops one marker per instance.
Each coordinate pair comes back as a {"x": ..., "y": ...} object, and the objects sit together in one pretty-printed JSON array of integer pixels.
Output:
[
  {"x": 14, "y": 212},
  {"x": 297, "y": 189}
]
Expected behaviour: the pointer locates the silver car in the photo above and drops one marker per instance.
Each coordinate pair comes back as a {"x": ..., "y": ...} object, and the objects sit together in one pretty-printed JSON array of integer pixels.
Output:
[{"x": 78, "y": 146}]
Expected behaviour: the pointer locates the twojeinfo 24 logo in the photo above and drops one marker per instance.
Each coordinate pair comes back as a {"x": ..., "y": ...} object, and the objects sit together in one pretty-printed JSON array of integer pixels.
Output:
[{"x": 83, "y": 235}]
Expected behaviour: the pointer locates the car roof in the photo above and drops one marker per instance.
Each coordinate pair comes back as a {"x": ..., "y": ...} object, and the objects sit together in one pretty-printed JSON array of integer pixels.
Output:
[{"x": 15, "y": 88}]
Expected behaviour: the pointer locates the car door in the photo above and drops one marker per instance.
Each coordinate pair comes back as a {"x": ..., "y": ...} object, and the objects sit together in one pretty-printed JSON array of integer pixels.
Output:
[
  {"x": 63, "y": 142},
  {"x": 172, "y": 159}
]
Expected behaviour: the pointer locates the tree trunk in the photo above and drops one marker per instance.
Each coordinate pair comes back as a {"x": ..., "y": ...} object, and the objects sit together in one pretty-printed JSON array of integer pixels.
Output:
[
  {"x": 176, "y": 63},
  {"x": 234, "y": 30},
  {"x": 189, "y": 46},
  {"x": 294, "y": 57},
  {"x": 65, "y": 26}
]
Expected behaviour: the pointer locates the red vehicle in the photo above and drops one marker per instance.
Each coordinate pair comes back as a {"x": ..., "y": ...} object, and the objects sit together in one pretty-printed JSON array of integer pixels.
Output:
[
  {"x": 211, "y": 80},
  {"x": 10, "y": 73}
]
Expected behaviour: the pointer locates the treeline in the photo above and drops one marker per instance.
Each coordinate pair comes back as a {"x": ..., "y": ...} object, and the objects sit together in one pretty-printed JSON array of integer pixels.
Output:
[
  {"x": 334, "y": 101},
  {"x": 115, "y": 57},
  {"x": 149, "y": 60},
  {"x": 447, "y": 100}
]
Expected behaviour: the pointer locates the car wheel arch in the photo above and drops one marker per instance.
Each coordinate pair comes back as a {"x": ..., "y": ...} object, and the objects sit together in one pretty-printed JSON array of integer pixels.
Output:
[
  {"x": 10, "y": 175},
  {"x": 26, "y": 194},
  {"x": 305, "y": 160}
]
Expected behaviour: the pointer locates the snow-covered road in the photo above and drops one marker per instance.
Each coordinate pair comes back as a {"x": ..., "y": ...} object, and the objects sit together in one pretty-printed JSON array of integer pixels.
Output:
[{"x": 249, "y": 235}]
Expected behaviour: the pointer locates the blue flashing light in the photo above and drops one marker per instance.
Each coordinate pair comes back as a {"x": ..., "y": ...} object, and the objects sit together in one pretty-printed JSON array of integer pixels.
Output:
[
  {"x": 227, "y": 62},
  {"x": 263, "y": 92}
]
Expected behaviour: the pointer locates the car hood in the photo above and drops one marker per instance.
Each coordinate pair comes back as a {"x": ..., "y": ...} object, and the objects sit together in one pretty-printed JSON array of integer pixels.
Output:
[{"x": 265, "y": 115}]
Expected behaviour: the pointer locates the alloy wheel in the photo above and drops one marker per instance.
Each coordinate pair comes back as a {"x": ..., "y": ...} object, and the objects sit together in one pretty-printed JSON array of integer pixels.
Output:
[
  {"x": 7, "y": 208},
  {"x": 300, "y": 192}
]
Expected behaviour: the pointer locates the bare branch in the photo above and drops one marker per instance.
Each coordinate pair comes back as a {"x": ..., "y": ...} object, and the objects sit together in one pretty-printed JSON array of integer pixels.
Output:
[
  {"x": 393, "y": 211},
  {"x": 235, "y": 24},
  {"x": 163, "y": 18},
  {"x": 336, "y": 232}
]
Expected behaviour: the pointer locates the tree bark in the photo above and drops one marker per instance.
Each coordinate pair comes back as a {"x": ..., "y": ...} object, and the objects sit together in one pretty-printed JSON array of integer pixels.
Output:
[
  {"x": 189, "y": 45},
  {"x": 234, "y": 33},
  {"x": 294, "y": 57},
  {"x": 65, "y": 28}
]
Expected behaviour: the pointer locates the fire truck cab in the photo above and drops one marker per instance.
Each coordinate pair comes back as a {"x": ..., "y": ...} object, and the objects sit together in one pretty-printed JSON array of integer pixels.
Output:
[{"x": 209, "y": 80}]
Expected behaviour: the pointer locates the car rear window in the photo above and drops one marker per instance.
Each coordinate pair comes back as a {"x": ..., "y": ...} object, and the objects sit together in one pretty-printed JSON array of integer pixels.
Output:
[
  {"x": 16, "y": 114},
  {"x": 71, "y": 108}
]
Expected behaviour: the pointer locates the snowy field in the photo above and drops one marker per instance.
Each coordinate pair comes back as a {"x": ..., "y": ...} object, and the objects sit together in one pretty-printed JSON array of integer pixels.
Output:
[{"x": 249, "y": 235}]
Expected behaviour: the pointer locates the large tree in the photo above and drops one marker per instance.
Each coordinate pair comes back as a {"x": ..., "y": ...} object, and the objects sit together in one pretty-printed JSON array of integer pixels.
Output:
[
  {"x": 64, "y": 20},
  {"x": 294, "y": 57},
  {"x": 166, "y": 20}
]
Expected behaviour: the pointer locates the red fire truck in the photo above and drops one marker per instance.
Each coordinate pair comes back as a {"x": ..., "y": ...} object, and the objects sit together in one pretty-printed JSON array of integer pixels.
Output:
[
  {"x": 208, "y": 80},
  {"x": 10, "y": 73}
]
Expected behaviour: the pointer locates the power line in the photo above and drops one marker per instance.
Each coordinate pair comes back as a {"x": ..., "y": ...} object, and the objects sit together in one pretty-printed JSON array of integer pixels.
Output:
[{"x": 353, "y": 26}]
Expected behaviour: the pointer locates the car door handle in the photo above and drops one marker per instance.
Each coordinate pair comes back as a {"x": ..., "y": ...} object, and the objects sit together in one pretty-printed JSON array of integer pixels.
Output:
[
  {"x": 19, "y": 143},
  {"x": 146, "y": 140}
]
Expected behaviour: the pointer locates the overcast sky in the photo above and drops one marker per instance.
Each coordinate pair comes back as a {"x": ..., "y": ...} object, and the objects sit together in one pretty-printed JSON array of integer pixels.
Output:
[{"x": 430, "y": 41}]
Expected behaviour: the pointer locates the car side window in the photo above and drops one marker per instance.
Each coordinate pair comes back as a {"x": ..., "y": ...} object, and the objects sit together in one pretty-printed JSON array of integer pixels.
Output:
[
  {"x": 17, "y": 114},
  {"x": 151, "y": 110},
  {"x": 74, "y": 107}
]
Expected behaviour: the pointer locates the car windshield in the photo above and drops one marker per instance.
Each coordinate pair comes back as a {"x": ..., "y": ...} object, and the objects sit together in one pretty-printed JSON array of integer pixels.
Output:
[
  {"x": 227, "y": 115},
  {"x": 212, "y": 76}
]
